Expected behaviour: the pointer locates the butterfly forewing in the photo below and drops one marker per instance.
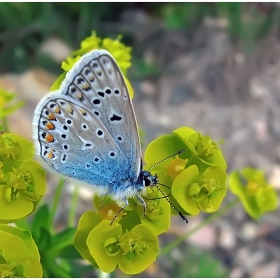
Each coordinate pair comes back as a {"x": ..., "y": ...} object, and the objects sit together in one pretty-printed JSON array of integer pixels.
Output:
[
  {"x": 97, "y": 83},
  {"x": 87, "y": 129}
]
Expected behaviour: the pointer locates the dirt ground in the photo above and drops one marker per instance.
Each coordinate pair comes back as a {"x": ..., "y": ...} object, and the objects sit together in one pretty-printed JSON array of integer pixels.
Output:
[{"x": 213, "y": 85}]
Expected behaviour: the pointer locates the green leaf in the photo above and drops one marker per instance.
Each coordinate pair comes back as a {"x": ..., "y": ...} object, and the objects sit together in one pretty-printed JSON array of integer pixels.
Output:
[
  {"x": 69, "y": 252},
  {"x": 40, "y": 220}
]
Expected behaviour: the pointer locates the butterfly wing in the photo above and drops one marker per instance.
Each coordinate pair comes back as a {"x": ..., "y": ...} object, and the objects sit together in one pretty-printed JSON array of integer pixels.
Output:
[
  {"x": 96, "y": 82},
  {"x": 87, "y": 129}
]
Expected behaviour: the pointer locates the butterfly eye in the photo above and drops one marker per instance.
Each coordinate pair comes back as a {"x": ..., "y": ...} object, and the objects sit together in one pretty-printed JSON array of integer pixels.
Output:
[{"x": 147, "y": 182}]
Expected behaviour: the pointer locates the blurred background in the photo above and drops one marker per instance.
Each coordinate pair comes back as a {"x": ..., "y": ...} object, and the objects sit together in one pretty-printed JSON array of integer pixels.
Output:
[{"x": 212, "y": 66}]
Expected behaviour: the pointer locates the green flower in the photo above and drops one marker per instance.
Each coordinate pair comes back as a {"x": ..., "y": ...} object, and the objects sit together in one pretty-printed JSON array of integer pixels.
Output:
[
  {"x": 22, "y": 192},
  {"x": 256, "y": 195},
  {"x": 119, "y": 51},
  {"x": 157, "y": 216},
  {"x": 19, "y": 256},
  {"x": 14, "y": 147},
  {"x": 196, "y": 192},
  {"x": 22, "y": 180},
  {"x": 139, "y": 249},
  {"x": 107, "y": 247},
  {"x": 204, "y": 151},
  {"x": 191, "y": 166}
]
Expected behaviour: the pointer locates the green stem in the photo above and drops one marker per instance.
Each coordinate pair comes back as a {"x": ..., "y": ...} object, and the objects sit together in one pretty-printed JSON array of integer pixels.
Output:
[
  {"x": 205, "y": 222},
  {"x": 73, "y": 208},
  {"x": 5, "y": 125},
  {"x": 56, "y": 200}
]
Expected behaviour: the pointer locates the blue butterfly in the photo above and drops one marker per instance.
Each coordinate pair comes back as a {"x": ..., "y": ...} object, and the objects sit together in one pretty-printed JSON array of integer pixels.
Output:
[{"x": 87, "y": 130}]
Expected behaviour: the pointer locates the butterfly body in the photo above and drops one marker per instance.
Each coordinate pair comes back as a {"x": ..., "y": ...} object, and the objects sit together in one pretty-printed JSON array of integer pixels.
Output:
[{"x": 87, "y": 130}]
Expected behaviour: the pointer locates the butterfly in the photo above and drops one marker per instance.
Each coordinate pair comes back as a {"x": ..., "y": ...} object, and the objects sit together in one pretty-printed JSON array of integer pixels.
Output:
[{"x": 87, "y": 130}]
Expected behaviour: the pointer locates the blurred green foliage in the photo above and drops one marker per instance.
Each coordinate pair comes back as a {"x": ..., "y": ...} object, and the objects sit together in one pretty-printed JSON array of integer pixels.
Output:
[
  {"x": 197, "y": 263},
  {"x": 24, "y": 26}
]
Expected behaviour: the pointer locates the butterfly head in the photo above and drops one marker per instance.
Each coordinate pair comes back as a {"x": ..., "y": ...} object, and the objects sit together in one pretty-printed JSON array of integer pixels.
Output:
[{"x": 148, "y": 179}]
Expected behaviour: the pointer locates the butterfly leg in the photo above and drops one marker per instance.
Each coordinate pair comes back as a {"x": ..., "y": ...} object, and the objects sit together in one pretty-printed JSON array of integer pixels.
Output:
[
  {"x": 143, "y": 203},
  {"x": 102, "y": 202},
  {"x": 125, "y": 205}
]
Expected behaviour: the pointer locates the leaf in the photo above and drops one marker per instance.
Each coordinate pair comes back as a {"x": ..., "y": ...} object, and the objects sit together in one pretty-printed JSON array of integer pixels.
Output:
[{"x": 40, "y": 220}]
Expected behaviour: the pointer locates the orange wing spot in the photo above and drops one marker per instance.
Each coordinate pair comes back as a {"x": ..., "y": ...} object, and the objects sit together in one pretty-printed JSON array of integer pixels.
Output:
[
  {"x": 51, "y": 117},
  {"x": 57, "y": 110},
  {"x": 49, "y": 126},
  {"x": 50, "y": 155},
  {"x": 49, "y": 138}
]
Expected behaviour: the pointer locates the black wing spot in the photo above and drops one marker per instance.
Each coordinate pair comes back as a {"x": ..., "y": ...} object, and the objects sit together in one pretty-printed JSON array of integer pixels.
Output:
[
  {"x": 101, "y": 93},
  {"x": 52, "y": 105},
  {"x": 63, "y": 136},
  {"x": 65, "y": 147},
  {"x": 44, "y": 122},
  {"x": 115, "y": 118},
  {"x": 87, "y": 165},
  {"x": 120, "y": 138},
  {"x": 117, "y": 91},
  {"x": 69, "y": 121},
  {"x": 84, "y": 126},
  {"x": 44, "y": 134},
  {"x": 96, "y": 113},
  {"x": 99, "y": 132},
  {"x": 73, "y": 90},
  {"x": 96, "y": 101},
  {"x": 62, "y": 103},
  {"x": 88, "y": 145},
  {"x": 96, "y": 159},
  {"x": 80, "y": 80},
  {"x": 108, "y": 91},
  {"x": 64, "y": 157},
  {"x": 112, "y": 154},
  {"x": 65, "y": 127}
]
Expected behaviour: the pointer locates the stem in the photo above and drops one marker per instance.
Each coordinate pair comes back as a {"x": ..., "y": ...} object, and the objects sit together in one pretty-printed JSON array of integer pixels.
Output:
[
  {"x": 205, "y": 222},
  {"x": 73, "y": 208},
  {"x": 5, "y": 125},
  {"x": 56, "y": 201}
]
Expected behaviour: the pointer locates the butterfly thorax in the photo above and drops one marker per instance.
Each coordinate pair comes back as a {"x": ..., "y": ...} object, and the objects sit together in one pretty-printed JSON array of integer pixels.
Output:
[{"x": 121, "y": 190}]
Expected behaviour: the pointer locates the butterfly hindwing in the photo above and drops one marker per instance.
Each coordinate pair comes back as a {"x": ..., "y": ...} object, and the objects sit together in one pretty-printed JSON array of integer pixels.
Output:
[{"x": 82, "y": 149}]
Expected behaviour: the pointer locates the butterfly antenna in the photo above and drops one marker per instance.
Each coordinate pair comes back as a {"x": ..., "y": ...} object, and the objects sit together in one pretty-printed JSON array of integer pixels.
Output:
[
  {"x": 166, "y": 197},
  {"x": 181, "y": 151}
]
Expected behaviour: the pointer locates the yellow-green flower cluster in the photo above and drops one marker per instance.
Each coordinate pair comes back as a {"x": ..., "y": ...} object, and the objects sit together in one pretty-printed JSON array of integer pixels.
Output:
[
  {"x": 197, "y": 176},
  {"x": 198, "y": 182},
  {"x": 254, "y": 192},
  {"x": 118, "y": 50},
  {"x": 22, "y": 180},
  {"x": 19, "y": 256},
  {"x": 130, "y": 243}
]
